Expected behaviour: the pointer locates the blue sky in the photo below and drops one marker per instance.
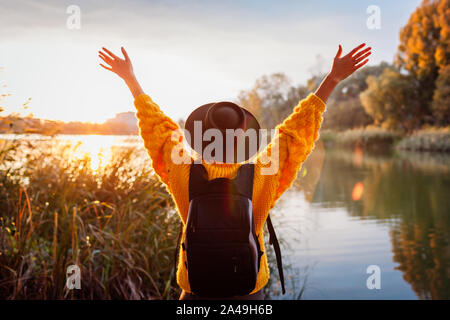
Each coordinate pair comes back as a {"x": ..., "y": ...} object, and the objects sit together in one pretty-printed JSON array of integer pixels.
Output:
[{"x": 185, "y": 53}]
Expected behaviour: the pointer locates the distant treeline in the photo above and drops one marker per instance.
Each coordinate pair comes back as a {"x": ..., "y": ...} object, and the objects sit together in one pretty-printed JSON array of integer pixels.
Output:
[{"x": 17, "y": 124}]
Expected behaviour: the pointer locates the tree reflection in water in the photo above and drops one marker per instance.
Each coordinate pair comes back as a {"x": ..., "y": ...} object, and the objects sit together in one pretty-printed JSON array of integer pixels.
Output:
[{"x": 409, "y": 191}]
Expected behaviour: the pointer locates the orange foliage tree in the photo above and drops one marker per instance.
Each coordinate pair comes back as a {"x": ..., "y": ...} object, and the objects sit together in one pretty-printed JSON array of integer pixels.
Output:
[{"x": 425, "y": 47}]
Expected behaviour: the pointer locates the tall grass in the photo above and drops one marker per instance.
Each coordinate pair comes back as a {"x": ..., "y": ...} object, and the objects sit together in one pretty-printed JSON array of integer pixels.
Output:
[{"x": 117, "y": 224}]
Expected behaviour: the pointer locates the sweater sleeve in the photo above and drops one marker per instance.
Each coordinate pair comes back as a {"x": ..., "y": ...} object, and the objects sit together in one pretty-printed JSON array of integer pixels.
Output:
[
  {"x": 292, "y": 143},
  {"x": 160, "y": 134}
]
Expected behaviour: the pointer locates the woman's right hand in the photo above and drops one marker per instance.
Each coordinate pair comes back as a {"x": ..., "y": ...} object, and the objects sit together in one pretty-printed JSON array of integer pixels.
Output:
[{"x": 122, "y": 67}]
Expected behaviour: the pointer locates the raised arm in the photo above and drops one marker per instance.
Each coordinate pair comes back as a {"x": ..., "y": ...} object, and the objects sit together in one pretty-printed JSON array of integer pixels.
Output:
[
  {"x": 156, "y": 129},
  {"x": 295, "y": 138}
]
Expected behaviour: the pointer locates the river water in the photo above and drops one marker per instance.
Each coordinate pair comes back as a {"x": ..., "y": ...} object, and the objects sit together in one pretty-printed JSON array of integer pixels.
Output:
[{"x": 349, "y": 210}]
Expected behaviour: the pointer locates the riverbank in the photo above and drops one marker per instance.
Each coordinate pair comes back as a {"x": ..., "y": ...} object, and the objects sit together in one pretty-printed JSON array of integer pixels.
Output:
[{"x": 378, "y": 139}]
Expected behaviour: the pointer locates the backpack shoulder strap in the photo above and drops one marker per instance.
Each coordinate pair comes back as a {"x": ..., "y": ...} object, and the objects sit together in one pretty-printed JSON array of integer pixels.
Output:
[
  {"x": 198, "y": 176},
  {"x": 273, "y": 240},
  {"x": 244, "y": 180}
]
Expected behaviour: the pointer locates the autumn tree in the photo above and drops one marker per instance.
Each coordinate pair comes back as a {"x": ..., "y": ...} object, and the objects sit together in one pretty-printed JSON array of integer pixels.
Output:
[
  {"x": 425, "y": 48},
  {"x": 344, "y": 108},
  {"x": 272, "y": 98},
  {"x": 392, "y": 100}
]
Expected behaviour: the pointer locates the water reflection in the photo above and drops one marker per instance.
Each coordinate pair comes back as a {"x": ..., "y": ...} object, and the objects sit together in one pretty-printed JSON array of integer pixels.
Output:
[{"x": 407, "y": 192}]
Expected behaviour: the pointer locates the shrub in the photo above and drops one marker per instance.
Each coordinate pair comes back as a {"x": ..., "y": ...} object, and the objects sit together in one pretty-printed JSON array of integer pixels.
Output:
[{"x": 427, "y": 140}]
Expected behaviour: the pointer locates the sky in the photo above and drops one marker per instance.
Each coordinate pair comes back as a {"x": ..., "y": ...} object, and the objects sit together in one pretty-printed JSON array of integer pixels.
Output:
[{"x": 184, "y": 53}]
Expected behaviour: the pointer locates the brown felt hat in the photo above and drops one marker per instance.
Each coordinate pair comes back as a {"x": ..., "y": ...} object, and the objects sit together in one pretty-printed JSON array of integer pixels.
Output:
[{"x": 222, "y": 116}]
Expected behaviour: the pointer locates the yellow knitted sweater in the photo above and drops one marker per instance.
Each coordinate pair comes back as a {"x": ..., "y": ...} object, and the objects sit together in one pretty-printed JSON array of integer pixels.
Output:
[{"x": 294, "y": 140}]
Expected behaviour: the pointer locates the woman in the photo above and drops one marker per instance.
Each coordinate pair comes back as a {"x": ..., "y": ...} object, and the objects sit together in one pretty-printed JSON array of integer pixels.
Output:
[{"x": 293, "y": 142}]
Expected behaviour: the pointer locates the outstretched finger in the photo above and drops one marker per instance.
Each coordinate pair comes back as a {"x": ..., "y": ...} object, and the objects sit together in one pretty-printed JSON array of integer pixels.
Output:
[
  {"x": 361, "y": 64},
  {"x": 361, "y": 58},
  {"x": 338, "y": 54},
  {"x": 105, "y": 59},
  {"x": 110, "y": 53},
  {"x": 107, "y": 68},
  {"x": 359, "y": 54},
  {"x": 125, "y": 54},
  {"x": 351, "y": 53}
]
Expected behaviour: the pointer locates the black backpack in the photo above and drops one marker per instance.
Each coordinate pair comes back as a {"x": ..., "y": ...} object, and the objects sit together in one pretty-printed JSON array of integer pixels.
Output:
[{"x": 222, "y": 248}]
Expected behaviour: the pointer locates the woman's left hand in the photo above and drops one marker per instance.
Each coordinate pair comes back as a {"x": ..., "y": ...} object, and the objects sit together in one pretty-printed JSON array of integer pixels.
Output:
[{"x": 348, "y": 64}]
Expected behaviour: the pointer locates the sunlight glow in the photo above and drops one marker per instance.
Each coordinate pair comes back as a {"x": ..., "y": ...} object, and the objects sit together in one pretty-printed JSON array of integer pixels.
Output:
[
  {"x": 98, "y": 149},
  {"x": 358, "y": 156},
  {"x": 90, "y": 147}
]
